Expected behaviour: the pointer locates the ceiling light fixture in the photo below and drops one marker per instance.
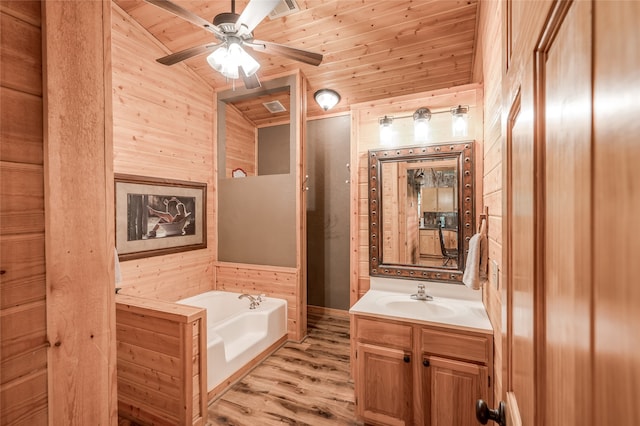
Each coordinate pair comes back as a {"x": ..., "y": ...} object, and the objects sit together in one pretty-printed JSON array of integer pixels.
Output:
[
  {"x": 421, "y": 124},
  {"x": 459, "y": 120},
  {"x": 327, "y": 98},
  {"x": 230, "y": 58}
]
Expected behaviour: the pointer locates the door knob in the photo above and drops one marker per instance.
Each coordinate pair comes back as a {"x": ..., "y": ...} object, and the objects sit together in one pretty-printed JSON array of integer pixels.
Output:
[{"x": 484, "y": 413}]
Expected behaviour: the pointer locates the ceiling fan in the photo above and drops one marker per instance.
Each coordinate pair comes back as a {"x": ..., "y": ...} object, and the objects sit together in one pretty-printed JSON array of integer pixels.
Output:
[{"x": 232, "y": 32}]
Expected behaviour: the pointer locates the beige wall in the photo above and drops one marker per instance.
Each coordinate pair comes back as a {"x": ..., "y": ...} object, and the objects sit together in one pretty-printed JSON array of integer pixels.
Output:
[{"x": 163, "y": 126}]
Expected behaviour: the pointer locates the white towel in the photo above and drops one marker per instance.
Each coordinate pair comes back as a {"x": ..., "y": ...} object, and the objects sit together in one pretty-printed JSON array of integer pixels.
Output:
[
  {"x": 476, "y": 267},
  {"x": 118, "y": 274}
]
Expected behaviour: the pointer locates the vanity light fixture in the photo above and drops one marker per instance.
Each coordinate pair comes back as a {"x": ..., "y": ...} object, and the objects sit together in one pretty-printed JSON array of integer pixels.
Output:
[
  {"x": 326, "y": 98},
  {"x": 386, "y": 130},
  {"x": 459, "y": 120},
  {"x": 421, "y": 118},
  {"x": 421, "y": 124}
]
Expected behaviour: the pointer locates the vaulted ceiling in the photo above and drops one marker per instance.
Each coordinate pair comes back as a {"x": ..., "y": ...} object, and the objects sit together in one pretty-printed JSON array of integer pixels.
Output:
[{"x": 373, "y": 49}]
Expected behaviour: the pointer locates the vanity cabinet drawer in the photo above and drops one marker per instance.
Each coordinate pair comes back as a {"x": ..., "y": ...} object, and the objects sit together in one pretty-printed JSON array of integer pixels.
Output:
[
  {"x": 388, "y": 334},
  {"x": 456, "y": 345}
]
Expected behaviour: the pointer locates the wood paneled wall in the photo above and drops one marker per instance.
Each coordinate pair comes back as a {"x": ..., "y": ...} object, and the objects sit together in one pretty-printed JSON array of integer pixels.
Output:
[
  {"x": 490, "y": 36},
  {"x": 162, "y": 368},
  {"x": 365, "y": 136},
  {"x": 163, "y": 126},
  {"x": 23, "y": 340},
  {"x": 240, "y": 147}
]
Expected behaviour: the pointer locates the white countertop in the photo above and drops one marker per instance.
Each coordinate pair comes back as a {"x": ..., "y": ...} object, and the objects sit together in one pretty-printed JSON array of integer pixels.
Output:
[{"x": 453, "y": 305}]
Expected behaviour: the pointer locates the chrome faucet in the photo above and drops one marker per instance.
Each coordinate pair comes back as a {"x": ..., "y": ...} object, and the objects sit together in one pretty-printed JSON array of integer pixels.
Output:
[
  {"x": 254, "y": 302},
  {"x": 421, "y": 294}
]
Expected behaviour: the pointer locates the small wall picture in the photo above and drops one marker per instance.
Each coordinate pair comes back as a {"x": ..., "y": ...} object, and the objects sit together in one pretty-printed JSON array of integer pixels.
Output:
[{"x": 158, "y": 216}]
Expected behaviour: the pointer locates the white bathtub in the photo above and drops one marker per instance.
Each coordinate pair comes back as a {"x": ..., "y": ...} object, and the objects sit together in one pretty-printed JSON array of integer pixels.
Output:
[{"x": 235, "y": 333}]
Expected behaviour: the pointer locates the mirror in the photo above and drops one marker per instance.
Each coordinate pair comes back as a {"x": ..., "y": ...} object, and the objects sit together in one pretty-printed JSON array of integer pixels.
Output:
[{"x": 421, "y": 211}]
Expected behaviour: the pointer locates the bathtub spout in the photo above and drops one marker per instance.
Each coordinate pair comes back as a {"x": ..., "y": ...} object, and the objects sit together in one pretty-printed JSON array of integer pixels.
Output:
[{"x": 253, "y": 300}]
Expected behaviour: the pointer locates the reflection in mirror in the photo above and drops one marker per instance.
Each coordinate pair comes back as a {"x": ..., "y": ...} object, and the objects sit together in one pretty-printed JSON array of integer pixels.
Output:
[{"x": 421, "y": 210}]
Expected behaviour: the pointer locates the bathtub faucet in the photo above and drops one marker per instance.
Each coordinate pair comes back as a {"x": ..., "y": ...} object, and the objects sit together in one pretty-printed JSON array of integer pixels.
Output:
[{"x": 254, "y": 302}]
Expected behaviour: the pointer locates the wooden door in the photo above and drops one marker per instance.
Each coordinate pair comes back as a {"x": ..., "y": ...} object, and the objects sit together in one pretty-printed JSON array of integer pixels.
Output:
[
  {"x": 384, "y": 394},
  {"x": 548, "y": 207},
  {"x": 519, "y": 261},
  {"x": 450, "y": 390},
  {"x": 616, "y": 201},
  {"x": 564, "y": 87}
]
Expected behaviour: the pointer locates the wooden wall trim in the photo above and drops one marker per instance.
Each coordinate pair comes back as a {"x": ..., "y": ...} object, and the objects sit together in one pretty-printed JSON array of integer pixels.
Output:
[{"x": 78, "y": 206}]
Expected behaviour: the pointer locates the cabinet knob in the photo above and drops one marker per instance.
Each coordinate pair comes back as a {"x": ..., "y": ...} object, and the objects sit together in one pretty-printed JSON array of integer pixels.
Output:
[
  {"x": 426, "y": 362},
  {"x": 484, "y": 413},
  {"x": 407, "y": 358}
]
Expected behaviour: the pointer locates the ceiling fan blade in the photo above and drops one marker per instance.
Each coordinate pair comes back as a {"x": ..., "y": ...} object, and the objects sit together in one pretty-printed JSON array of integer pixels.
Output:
[
  {"x": 183, "y": 13},
  {"x": 174, "y": 58},
  {"x": 286, "y": 51},
  {"x": 255, "y": 12},
  {"x": 250, "y": 81}
]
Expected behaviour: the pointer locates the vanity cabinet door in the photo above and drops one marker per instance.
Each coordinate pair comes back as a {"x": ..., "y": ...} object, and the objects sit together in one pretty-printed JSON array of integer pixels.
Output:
[
  {"x": 429, "y": 243},
  {"x": 450, "y": 391},
  {"x": 384, "y": 389}
]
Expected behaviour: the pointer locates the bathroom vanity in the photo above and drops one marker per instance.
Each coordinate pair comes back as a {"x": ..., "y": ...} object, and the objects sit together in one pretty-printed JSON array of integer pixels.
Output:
[{"x": 420, "y": 362}]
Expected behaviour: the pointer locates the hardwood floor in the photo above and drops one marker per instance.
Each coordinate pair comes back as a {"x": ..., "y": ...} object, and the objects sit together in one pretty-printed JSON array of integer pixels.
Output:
[{"x": 300, "y": 384}]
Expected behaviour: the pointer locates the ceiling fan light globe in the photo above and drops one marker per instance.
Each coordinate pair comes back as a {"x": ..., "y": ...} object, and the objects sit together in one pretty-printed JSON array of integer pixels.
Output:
[
  {"x": 218, "y": 58},
  {"x": 249, "y": 65}
]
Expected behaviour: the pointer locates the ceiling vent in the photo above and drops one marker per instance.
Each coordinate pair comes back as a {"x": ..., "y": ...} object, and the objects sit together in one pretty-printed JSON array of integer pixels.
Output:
[
  {"x": 284, "y": 8},
  {"x": 274, "y": 107}
]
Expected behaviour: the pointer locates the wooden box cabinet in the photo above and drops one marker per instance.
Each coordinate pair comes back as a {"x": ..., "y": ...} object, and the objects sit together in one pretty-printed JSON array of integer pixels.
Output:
[
  {"x": 162, "y": 372},
  {"x": 383, "y": 359},
  {"x": 430, "y": 243},
  {"x": 415, "y": 374}
]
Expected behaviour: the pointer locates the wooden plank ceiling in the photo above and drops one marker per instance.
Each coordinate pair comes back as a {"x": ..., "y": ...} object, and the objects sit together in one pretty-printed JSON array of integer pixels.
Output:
[{"x": 373, "y": 49}]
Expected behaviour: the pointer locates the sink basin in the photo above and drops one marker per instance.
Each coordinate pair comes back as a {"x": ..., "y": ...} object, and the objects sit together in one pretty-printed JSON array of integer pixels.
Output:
[{"x": 426, "y": 309}]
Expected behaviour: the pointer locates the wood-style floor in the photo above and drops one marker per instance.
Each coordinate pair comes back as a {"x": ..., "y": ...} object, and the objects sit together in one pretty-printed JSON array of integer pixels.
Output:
[{"x": 300, "y": 384}]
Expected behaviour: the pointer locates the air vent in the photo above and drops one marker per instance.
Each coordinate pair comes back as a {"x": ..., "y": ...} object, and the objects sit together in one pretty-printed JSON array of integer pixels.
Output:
[
  {"x": 274, "y": 107},
  {"x": 284, "y": 8}
]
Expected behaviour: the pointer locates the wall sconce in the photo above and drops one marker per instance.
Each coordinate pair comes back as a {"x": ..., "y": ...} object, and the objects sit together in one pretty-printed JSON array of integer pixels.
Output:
[
  {"x": 386, "y": 130},
  {"x": 327, "y": 98},
  {"x": 459, "y": 120},
  {"x": 421, "y": 124}
]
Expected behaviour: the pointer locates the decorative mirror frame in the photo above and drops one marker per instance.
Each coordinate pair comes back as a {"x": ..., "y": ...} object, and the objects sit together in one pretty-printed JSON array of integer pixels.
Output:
[{"x": 466, "y": 216}]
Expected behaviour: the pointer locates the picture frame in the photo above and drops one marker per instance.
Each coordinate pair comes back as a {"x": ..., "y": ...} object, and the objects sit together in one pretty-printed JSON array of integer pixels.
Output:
[{"x": 155, "y": 216}]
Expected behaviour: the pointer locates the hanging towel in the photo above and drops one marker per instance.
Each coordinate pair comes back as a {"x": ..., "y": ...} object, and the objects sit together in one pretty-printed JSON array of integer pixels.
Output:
[
  {"x": 476, "y": 268},
  {"x": 118, "y": 274}
]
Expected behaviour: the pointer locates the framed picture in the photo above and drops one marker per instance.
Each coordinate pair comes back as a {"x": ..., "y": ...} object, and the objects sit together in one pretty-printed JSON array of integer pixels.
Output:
[{"x": 159, "y": 216}]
